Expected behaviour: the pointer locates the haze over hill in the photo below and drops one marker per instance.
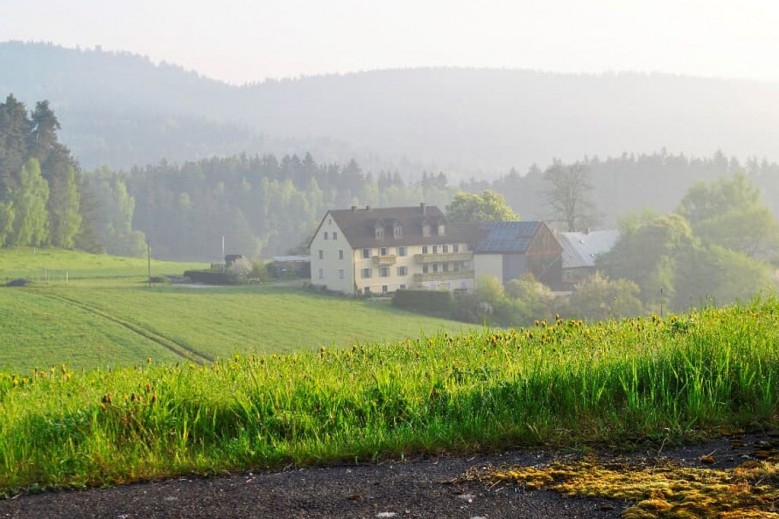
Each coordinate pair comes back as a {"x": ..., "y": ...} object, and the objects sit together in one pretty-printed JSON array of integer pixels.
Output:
[{"x": 120, "y": 109}]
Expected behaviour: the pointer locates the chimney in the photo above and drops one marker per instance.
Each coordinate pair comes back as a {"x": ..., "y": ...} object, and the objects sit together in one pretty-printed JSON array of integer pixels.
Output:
[
  {"x": 422, "y": 208},
  {"x": 354, "y": 208}
]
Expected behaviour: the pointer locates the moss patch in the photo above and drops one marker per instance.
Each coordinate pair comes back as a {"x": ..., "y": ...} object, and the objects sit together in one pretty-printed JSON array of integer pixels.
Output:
[{"x": 664, "y": 490}]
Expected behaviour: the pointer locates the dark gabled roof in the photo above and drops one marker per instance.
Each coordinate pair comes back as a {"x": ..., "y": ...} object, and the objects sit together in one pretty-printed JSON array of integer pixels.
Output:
[
  {"x": 359, "y": 226},
  {"x": 505, "y": 237},
  {"x": 580, "y": 250}
]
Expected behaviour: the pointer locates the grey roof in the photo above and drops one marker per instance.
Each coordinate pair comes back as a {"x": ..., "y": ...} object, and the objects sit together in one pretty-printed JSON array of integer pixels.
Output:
[
  {"x": 506, "y": 237},
  {"x": 359, "y": 226},
  {"x": 581, "y": 249}
]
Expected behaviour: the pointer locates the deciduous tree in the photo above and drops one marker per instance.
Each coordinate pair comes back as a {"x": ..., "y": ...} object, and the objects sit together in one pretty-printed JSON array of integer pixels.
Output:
[{"x": 487, "y": 207}]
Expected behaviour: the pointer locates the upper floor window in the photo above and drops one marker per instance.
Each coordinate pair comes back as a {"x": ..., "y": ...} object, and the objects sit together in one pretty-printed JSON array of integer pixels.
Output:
[
  {"x": 321, "y": 254},
  {"x": 366, "y": 253},
  {"x": 456, "y": 247},
  {"x": 424, "y": 249},
  {"x": 384, "y": 272},
  {"x": 379, "y": 232},
  {"x": 366, "y": 273},
  {"x": 325, "y": 235},
  {"x": 401, "y": 251},
  {"x": 402, "y": 271},
  {"x": 397, "y": 231},
  {"x": 426, "y": 229},
  {"x": 435, "y": 249},
  {"x": 441, "y": 229},
  {"x": 341, "y": 254},
  {"x": 445, "y": 248},
  {"x": 341, "y": 273},
  {"x": 383, "y": 251},
  {"x": 335, "y": 235}
]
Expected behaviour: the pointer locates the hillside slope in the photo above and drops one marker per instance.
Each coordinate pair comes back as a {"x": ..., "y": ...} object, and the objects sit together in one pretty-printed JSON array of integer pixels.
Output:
[{"x": 122, "y": 109}]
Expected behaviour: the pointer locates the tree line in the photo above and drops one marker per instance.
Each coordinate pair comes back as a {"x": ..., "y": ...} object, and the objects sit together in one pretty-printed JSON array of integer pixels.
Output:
[{"x": 40, "y": 197}]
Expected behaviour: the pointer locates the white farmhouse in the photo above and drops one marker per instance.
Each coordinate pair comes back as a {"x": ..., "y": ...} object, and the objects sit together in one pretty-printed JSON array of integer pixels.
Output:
[{"x": 381, "y": 250}]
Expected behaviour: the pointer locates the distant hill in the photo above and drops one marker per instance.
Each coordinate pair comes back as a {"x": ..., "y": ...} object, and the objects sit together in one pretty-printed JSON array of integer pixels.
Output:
[{"x": 121, "y": 109}]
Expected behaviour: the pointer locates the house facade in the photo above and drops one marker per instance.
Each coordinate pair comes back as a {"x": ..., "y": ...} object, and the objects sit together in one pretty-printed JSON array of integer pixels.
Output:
[{"x": 362, "y": 251}]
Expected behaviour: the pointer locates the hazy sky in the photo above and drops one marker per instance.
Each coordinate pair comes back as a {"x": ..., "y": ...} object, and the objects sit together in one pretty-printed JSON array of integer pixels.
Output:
[{"x": 243, "y": 41}]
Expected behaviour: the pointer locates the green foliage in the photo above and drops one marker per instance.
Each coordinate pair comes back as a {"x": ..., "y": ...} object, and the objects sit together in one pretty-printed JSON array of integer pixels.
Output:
[
  {"x": 427, "y": 301},
  {"x": 599, "y": 298},
  {"x": 30, "y": 223},
  {"x": 728, "y": 212},
  {"x": 648, "y": 253},
  {"x": 39, "y": 180},
  {"x": 487, "y": 207},
  {"x": 557, "y": 384},
  {"x": 719, "y": 276}
]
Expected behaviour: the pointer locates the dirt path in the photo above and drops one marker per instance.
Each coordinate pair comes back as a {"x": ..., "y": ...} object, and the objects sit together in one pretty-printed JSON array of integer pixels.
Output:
[{"x": 408, "y": 489}]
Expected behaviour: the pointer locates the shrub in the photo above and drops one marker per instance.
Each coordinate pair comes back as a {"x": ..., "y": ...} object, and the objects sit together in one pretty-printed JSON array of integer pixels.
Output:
[{"x": 429, "y": 301}]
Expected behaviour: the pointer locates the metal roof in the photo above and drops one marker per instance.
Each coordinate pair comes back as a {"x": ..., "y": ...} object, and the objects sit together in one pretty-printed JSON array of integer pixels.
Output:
[{"x": 581, "y": 249}]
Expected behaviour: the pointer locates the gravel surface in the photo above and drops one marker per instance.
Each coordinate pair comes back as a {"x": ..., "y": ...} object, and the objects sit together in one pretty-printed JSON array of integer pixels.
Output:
[{"x": 426, "y": 487}]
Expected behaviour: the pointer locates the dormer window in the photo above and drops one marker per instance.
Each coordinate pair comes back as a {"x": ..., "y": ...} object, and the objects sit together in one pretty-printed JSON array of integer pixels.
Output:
[
  {"x": 379, "y": 232},
  {"x": 397, "y": 231},
  {"x": 426, "y": 229},
  {"x": 441, "y": 229}
]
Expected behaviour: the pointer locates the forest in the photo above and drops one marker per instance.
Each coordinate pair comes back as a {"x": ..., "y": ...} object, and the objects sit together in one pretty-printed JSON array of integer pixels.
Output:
[{"x": 692, "y": 230}]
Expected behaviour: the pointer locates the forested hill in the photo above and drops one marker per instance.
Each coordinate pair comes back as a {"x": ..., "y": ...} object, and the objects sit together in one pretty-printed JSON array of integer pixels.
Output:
[{"x": 120, "y": 109}]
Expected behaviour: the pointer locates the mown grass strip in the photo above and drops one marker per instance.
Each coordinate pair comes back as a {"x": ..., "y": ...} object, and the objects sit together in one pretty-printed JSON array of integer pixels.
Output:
[{"x": 560, "y": 383}]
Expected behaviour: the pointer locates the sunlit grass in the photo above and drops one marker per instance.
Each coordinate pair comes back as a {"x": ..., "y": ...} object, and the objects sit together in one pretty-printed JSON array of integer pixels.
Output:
[{"x": 562, "y": 383}]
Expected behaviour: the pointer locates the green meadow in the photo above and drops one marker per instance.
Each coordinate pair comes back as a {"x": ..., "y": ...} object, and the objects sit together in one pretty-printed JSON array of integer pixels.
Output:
[
  {"x": 107, "y": 380},
  {"x": 638, "y": 382},
  {"x": 105, "y": 315}
]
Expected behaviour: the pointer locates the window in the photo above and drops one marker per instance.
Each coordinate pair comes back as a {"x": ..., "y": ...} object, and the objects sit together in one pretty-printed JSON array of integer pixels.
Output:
[
  {"x": 456, "y": 247},
  {"x": 402, "y": 287},
  {"x": 321, "y": 273},
  {"x": 424, "y": 269},
  {"x": 341, "y": 254},
  {"x": 384, "y": 272},
  {"x": 366, "y": 253},
  {"x": 384, "y": 251},
  {"x": 446, "y": 267},
  {"x": 441, "y": 229},
  {"x": 435, "y": 249},
  {"x": 435, "y": 267},
  {"x": 426, "y": 229},
  {"x": 366, "y": 273},
  {"x": 401, "y": 251},
  {"x": 379, "y": 233},
  {"x": 341, "y": 273},
  {"x": 384, "y": 289},
  {"x": 457, "y": 267},
  {"x": 397, "y": 231},
  {"x": 424, "y": 249},
  {"x": 325, "y": 235},
  {"x": 402, "y": 271},
  {"x": 445, "y": 248},
  {"x": 335, "y": 235},
  {"x": 321, "y": 254}
]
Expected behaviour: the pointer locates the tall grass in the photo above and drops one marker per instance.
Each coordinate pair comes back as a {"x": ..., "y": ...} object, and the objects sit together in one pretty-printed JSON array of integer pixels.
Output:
[{"x": 560, "y": 383}]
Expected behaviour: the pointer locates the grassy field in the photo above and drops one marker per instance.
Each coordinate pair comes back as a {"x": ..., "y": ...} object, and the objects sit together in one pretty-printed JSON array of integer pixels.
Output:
[
  {"x": 106, "y": 316},
  {"x": 628, "y": 383}
]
